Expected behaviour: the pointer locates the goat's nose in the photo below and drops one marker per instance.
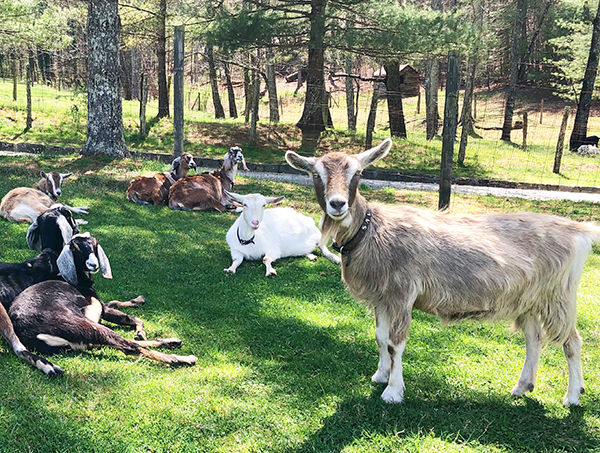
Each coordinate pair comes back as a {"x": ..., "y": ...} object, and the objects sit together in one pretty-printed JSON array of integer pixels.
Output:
[
  {"x": 337, "y": 203},
  {"x": 58, "y": 192},
  {"x": 255, "y": 223}
]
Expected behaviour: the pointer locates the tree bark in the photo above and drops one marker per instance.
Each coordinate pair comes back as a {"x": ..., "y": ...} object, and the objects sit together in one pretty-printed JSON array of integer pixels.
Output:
[
  {"x": 350, "y": 96},
  {"x": 126, "y": 77},
  {"x": 230, "y": 93},
  {"x": 432, "y": 74},
  {"x": 514, "y": 72},
  {"x": 394, "y": 99},
  {"x": 272, "y": 87},
  {"x": 29, "y": 82},
  {"x": 214, "y": 84},
  {"x": 449, "y": 131},
  {"x": 161, "y": 55},
  {"x": 372, "y": 115},
  {"x": 255, "y": 98},
  {"x": 589, "y": 79},
  {"x": 105, "y": 111},
  {"x": 311, "y": 123}
]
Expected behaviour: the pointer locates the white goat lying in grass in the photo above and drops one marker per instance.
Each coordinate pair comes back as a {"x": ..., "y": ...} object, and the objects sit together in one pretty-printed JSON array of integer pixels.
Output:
[{"x": 283, "y": 232}]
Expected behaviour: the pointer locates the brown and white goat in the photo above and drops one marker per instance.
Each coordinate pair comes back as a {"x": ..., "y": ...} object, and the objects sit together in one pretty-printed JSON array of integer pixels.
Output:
[
  {"x": 155, "y": 189},
  {"x": 521, "y": 267},
  {"x": 207, "y": 190},
  {"x": 25, "y": 204}
]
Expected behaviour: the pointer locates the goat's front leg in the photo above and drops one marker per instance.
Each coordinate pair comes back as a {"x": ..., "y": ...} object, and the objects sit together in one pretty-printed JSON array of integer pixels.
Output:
[
  {"x": 139, "y": 300},
  {"x": 267, "y": 260},
  {"x": 532, "y": 330},
  {"x": 237, "y": 258},
  {"x": 8, "y": 332},
  {"x": 118, "y": 317},
  {"x": 382, "y": 335},
  {"x": 391, "y": 349}
]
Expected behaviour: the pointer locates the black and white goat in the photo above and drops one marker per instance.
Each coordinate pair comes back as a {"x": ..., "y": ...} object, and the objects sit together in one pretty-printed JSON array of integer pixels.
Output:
[
  {"x": 52, "y": 316},
  {"x": 14, "y": 278},
  {"x": 522, "y": 267},
  {"x": 25, "y": 204}
]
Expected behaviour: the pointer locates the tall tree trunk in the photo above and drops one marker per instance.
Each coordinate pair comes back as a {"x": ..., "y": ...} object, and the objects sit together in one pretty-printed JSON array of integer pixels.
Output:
[
  {"x": 29, "y": 82},
  {"x": 511, "y": 94},
  {"x": 126, "y": 77},
  {"x": 372, "y": 115},
  {"x": 589, "y": 79},
  {"x": 161, "y": 55},
  {"x": 311, "y": 123},
  {"x": 523, "y": 64},
  {"x": 247, "y": 95},
  {"x": 466, "y": 117},
  {"x": 230, "y": 93},
  {"x": 14, "y": 79},
  {"x": 255, "y": 98},
  {"x": 350, "y": 96},
  {"x": 105, "y": 112},
  {"x": 214, "y": 84},
  {"x": 272, "y": 87},
  {"x": 394, "y": 99},
  {"x": 432, "y": 82}
]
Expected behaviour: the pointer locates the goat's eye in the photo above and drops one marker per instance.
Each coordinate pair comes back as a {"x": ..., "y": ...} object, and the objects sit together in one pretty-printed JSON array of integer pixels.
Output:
[
  {"x": 358, "y": 173},
  {"x": 315, "y": 176}
]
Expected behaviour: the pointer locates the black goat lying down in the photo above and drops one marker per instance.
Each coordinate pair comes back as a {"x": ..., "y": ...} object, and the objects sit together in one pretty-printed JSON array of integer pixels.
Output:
[
  {"x": 52, "y": 316},
  {"x": 14, "y": 278}
]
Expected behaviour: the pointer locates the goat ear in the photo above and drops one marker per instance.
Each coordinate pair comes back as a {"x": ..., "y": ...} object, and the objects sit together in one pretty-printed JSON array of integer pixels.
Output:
[
  {"x": 66, "y": 265},
  {"x": 274, "y": 200},
  {"x": 104, "y": 264},
  {"x": 43, "y": 175},
  {"x": 175, "y": 163},
  {"x": 300, "y": 163},
  {"x": 66, "y": 229},
  {"x": 65, "y": 175},
  {"x": 34, "y": 238},
  {"x": 236, "y": 196},
  {"x": 369, "y": 156}
]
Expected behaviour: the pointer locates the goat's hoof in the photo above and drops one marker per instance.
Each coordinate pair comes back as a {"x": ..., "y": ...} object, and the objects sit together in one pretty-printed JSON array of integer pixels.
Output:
[
  {"x": 312, "y": 257},
  {"x": 273, "y": 272},
  {"x": 139, "y": 300},
  {"x": 140, "y": 336},
  {"x": 380, "y": 377},
  {"x": 171, "y": 343},
  {"x": 392, "y": 395},
  {"x": 521, "y": 389},
  {"x": 184, "y": 360},
  {"x": 229, "y": 271}
]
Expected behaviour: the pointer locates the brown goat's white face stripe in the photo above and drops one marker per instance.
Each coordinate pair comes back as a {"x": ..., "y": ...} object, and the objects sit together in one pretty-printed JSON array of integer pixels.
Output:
[{"x": 336, "y": 180}]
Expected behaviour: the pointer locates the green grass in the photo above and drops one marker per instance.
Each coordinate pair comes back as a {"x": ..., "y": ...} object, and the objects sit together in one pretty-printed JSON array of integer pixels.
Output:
[
  {"x": 284, "y": 363},
  {"x": 60, "y": 119}
]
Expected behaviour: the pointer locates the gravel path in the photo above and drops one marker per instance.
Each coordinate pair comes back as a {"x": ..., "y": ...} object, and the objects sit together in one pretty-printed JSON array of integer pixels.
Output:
[{"x": 496, "y": 191}]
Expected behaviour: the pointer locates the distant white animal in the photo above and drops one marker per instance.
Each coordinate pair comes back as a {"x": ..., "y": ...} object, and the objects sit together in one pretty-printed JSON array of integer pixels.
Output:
[
  {"x": 271, "y": 234},
  {"x": 587, "y": 150}
]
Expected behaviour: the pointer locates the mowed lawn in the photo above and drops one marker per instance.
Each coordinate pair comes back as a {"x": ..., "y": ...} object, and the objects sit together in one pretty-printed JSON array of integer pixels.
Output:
[{"x": 284, "y": 363}]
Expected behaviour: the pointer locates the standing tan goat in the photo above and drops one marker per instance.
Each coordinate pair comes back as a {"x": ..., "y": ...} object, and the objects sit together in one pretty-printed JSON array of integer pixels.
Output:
[
  {"x": 522, "y": 267},
  {"x": 25, "y": 204},
  {"x": 207, "y": 190},
  {"x": 155, "y": 189}
]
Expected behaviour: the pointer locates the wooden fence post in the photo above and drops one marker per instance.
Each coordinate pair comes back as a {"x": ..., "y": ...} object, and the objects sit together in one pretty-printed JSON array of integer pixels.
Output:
[
  {"x": 143, "y": 103},
  {"x": 541, "y": 111},
  {"x": 561, "y": 140},
  {"x": 524, "y": 131},
  {"x": 178, "y": 98},
  {"x": 449, "y": 131}
]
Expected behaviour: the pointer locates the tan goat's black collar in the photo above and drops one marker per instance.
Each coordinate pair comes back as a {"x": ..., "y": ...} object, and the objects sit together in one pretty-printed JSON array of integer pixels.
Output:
[{"x": 346, "y": 248}]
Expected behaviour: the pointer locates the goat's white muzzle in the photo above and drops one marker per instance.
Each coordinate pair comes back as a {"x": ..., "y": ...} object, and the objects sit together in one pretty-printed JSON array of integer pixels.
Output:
[
  {"x": 337, "y": 208},
  {"x": 92, "y": 264}
]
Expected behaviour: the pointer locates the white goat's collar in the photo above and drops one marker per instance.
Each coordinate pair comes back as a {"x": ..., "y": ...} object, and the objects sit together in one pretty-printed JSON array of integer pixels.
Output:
[{"x": 245, "y": 241}]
